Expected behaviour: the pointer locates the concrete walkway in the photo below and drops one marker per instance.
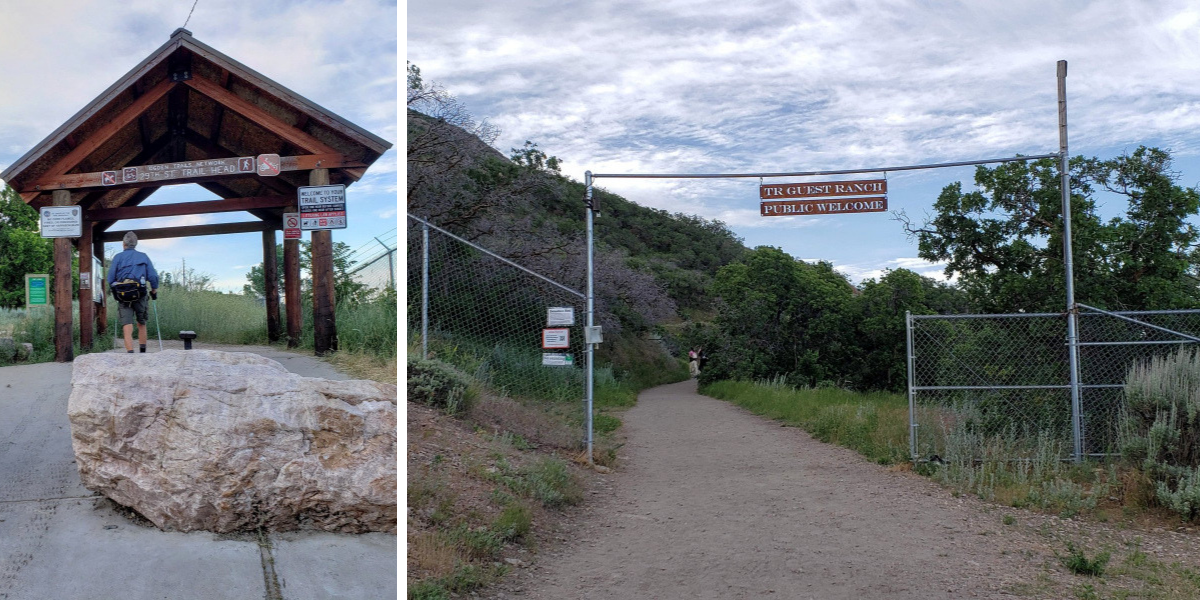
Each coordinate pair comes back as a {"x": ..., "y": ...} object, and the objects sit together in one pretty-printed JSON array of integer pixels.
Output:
[{"x": 58, "y": 540}]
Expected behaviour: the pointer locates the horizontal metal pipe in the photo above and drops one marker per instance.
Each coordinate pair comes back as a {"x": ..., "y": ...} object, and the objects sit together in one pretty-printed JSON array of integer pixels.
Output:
[
  {"x": 964, "y": 163},
  {"x": 1136, "y": 343},
  {"x": 944, "y": 388},
  {"x": 987, "y": 316},
  {"x": 1142, "y": 323}
]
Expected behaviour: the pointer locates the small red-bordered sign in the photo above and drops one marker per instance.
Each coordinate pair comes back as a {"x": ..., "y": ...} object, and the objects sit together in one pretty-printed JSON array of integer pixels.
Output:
[
  {"x": 108, "y": 178},
  {"x": 553, "y": 337},
  {"x": 268, "y": 165}
]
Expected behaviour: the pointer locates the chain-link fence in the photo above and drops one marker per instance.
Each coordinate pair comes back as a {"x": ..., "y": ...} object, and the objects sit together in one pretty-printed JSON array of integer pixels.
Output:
[
  {"x": 998, "y": 387},
  {"x": 493, "y": 319},
  {"x": 375, "y": 262}
]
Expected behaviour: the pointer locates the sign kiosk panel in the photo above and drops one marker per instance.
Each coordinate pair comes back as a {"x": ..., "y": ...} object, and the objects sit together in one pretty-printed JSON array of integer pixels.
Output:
[
  {"x": 37, "y": 290},
  {"x": 62, "y": 221},
  {"x": 97, "y": 281},
  {"x": 322, "y": 207}
]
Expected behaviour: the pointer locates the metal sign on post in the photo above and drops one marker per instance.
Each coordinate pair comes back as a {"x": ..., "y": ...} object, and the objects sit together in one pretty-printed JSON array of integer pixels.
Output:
[
  {"x": 560, "y": 315},
  {"x": 291, "y": 226},
  {"x": 62, "y": 221},
  {"x": 556, "y": 338},
  {"x": 37, "y": 290},
  {"x": 322, "y": 207},
  {"x": 550, "y": 359}
]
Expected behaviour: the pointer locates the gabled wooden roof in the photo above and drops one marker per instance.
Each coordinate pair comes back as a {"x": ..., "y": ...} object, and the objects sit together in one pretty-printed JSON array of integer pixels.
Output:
[{"x": 185, "y": 102}]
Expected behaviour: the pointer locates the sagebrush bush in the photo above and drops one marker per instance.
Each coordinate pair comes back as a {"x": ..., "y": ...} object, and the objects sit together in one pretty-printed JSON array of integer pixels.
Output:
[
  {"x": 1160, "y": 427},
  {"x": 439, "y": 385}
]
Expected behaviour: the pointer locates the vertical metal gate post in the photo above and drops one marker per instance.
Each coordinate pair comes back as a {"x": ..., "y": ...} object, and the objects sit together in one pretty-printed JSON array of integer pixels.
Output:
[
  {"x": 425, "y": 291},
  {"x": 912, "y": 407},
  {"x": 1072, "y": 309},
  {"x": 591, "y": 348}
]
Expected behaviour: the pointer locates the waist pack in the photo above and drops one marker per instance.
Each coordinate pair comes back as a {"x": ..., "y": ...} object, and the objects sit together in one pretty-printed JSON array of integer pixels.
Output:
[{"x": 128, "y": 291}]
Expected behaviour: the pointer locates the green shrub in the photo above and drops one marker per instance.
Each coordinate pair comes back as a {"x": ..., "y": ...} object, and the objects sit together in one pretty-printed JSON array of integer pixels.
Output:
[
  {"x": 1078, "y": 562},
  {"x": 1160, "y": 427},
  {"x": 438, "y": 384},
  {"x": 1184, "y": 496},
  {"x": 551, "y": 482},
  {"x": 514, "y": 523},
  {"x": 602, "y": 423}
]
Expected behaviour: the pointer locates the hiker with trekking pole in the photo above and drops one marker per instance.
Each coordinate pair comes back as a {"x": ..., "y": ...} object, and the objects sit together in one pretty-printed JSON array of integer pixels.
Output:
[{"x": 133, "y": 282}]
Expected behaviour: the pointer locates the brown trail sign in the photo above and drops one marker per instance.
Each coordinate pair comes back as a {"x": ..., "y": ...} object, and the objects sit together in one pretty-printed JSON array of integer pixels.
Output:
[
  {"x": 833, "y": 194},
  {"x": 793, "y": 208}
]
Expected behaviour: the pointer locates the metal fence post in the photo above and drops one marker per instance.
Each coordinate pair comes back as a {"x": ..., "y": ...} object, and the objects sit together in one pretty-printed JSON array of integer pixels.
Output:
[
  {"x": 425, "y": 291},
  {"x": 1072, "y": 309},
  {"x": 591, "y": 348},
  {"x": 912, "y": 407}
]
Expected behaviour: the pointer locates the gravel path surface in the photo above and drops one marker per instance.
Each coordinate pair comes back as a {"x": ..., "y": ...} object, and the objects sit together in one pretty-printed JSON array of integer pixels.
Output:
[{"x": 714, "y": 502}]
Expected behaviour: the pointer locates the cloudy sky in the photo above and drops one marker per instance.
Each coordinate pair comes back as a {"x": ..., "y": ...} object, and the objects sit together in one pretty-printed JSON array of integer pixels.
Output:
[
  {"x": 340, "y": 54},
  {"x": 694, "y": 86}
]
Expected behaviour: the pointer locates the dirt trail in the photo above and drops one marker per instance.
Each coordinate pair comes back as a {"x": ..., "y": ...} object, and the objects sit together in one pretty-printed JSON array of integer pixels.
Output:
[{"x": 714, "y": 502}]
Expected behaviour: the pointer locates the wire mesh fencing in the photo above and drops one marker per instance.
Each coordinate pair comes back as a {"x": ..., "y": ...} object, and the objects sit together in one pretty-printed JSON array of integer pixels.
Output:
[
  {"x": 998, "y": 387},
  {"x": 375, "y": 262},
  {"x": 494, "y": 320}
]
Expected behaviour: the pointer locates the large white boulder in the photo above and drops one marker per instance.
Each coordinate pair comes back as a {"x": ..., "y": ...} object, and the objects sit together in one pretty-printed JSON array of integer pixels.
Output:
[{"x": 229, "y": 441}]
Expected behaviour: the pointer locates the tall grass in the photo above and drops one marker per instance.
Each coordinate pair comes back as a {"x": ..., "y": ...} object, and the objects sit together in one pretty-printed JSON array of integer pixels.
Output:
[
  {"x": 362, "y": 328},
  {"x": 36, "y": 326},
  {"x": 216, "y": 318},
  {"x": 875, "y": 424}
]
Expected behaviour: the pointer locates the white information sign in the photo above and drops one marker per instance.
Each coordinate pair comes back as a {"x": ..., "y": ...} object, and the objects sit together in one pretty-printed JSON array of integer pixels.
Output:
[
  {"x": 62, "y": 221},
  {"x": 550, "y": 359},
  {"x": 560, "y": 315},
  {"x": 556, "y": 338},
  {"x": 322, "y": 207},
  {"x": 291, "y": 226}
]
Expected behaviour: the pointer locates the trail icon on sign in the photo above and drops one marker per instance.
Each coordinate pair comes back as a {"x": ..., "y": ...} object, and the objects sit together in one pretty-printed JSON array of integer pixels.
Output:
[
  {"x": 268, "y": 165},
  {"x": 108, "y": 178}
]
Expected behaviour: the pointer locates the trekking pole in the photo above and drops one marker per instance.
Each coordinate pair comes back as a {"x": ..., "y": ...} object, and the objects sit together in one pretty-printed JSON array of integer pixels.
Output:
[{"x": 157, "y": 329}]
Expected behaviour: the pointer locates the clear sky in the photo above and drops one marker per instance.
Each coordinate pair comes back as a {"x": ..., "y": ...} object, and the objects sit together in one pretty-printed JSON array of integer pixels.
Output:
[
  {"x": 341, "y": 54},
  {"x": 770, "y": 86}
]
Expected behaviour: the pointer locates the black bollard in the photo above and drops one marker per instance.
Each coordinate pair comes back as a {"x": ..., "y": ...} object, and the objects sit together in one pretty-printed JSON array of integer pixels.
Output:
[{"x": 187, "y": 337}]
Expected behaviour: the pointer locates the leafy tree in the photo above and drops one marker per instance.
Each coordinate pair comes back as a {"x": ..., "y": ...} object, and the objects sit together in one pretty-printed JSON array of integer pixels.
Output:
[
  {"x": 258, "y": 280},
  {"x": 1004, "y": 240},
  {"x": 22, "y": 249}
]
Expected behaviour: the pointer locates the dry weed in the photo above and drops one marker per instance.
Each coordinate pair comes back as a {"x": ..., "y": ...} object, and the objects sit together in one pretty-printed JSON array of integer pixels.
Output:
[
  {"x": 366, "y": 366},
  {"x": 536, "y": 426},
  {"x": 433, "y": 553}
]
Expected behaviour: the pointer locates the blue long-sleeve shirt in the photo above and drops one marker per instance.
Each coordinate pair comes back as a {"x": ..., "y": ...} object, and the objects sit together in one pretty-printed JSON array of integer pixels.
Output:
[{"x": 131, "y": 264}]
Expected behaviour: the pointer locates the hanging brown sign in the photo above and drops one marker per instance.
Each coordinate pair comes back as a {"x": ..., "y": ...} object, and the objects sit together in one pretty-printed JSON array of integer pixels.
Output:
[
  {"x": 822, "y": 189},
  {"x": 796, "y": 208}
]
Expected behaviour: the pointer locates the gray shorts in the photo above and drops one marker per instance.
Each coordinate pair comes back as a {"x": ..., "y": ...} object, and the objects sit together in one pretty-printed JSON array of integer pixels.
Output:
[{"x": 136, "y": 309}]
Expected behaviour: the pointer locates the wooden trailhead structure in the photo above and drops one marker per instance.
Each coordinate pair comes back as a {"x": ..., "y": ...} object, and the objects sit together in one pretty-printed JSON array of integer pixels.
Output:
[{"x": 190, "y": 114}]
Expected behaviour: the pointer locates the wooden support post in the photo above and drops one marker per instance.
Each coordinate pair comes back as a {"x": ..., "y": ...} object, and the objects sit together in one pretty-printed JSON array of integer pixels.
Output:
[
  {"x": 64, "y": 350},
  {"x": 324, "y": 325},
  {"x": 102, "y": 306},
  {"x": 271, "y": 279},
  {"x": 87, "y": 309},
  {"x": 291, "y": 288}
]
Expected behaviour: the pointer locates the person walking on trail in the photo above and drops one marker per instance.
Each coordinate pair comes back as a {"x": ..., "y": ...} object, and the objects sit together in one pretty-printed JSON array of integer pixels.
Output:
[
  {"x": 133, "y": 281},
  {"x": 694, "y": 362}
]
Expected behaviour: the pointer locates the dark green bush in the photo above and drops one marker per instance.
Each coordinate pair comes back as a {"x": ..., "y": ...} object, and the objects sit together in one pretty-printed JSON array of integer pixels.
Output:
[{"x": 439, "y": 385}]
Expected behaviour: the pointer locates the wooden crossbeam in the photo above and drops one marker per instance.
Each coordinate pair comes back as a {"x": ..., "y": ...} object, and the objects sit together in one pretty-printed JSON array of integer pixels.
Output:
[
  {"x": 192, "y": 230},
  {"x": 189, "y": 208},
  {"x": 168, "y": 176},
  {"x": 105, "y": 132},
  {"x": 259, "y": 116}
]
